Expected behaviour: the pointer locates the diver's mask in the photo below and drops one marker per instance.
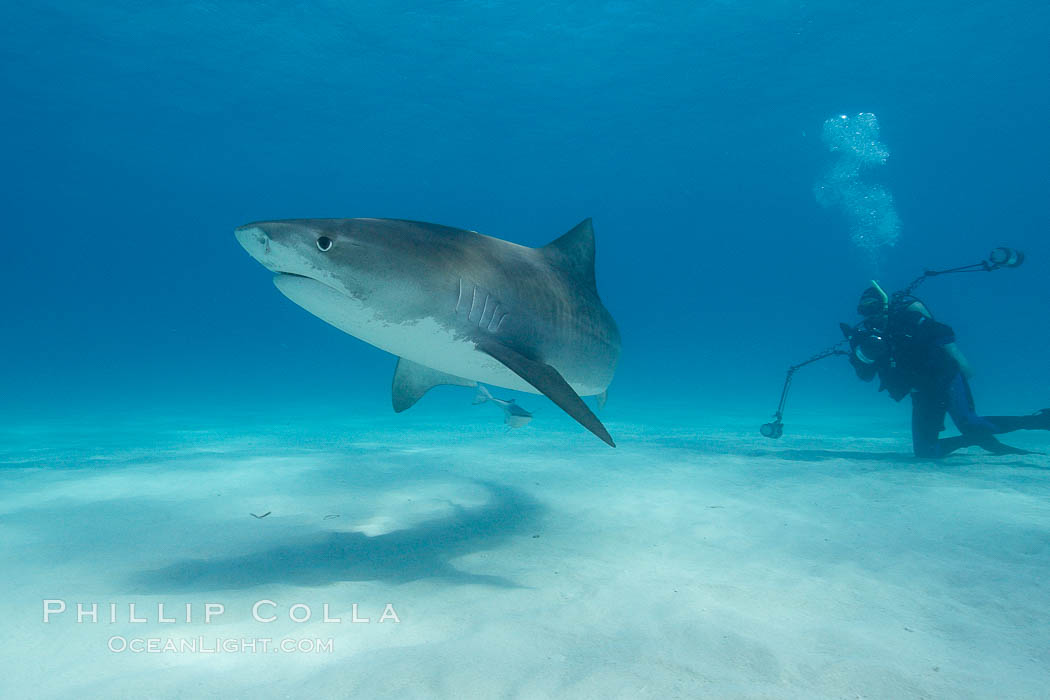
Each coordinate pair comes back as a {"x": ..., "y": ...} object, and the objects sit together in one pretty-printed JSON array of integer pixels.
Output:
[{"x": 873, "y": 302}]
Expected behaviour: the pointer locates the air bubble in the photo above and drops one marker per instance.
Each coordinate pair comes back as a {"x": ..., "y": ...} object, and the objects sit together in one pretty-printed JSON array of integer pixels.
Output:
[{"x": 851, "y": 183}]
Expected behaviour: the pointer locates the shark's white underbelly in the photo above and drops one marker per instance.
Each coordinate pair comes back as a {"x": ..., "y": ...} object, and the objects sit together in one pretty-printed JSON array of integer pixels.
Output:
[{"x": 424, "y": 341}]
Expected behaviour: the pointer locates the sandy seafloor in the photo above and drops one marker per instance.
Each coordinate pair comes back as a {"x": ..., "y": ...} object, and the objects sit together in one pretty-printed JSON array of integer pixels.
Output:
[{"x": 692, "y": 561}]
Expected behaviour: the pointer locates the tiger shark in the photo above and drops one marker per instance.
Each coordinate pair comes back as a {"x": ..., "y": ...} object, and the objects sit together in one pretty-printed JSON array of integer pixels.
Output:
[{"x": 455, "y": 306}]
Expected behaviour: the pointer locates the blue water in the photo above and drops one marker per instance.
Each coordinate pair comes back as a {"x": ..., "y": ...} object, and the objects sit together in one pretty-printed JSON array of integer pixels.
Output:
[{"x": 136, "y": 136}]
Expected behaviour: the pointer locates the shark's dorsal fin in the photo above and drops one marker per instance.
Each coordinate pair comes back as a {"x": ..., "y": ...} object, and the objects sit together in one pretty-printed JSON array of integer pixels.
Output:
[
  {"x": 412, "y": 380},
  {"x": 574, "y": 252}
]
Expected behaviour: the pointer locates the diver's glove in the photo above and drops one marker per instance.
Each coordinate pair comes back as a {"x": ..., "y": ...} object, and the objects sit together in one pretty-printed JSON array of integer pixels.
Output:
[{"x": 864, "y": 371}]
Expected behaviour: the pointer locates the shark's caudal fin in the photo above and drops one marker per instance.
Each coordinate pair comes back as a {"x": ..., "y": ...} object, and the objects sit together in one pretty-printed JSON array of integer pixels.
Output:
[
  {"x": 412, "y": 380},
  {"x": 574, "y": 252},
  {"x": 549, "y": 382}
]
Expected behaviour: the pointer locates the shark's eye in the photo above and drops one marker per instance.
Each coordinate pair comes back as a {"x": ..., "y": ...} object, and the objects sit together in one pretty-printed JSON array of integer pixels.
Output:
[{"x": 324, "y": 244}]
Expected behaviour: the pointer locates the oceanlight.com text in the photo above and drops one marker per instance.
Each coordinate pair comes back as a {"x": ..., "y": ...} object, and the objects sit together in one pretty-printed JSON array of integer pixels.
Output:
[{"x": 218, "y": 645}]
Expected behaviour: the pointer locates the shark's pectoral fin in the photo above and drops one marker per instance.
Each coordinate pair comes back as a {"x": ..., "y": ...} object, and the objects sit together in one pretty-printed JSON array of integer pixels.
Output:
[
  {"x": 412, "y": 380},
  {"x": 547, "y": 380}
]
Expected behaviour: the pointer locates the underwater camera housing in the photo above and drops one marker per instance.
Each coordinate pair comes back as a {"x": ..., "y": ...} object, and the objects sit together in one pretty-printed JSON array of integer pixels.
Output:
[{"x": 868, "y": 344}]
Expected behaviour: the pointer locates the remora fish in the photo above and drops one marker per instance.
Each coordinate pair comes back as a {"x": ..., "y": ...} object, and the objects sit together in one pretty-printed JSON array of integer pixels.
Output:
[{"x": 513, "y": 415}]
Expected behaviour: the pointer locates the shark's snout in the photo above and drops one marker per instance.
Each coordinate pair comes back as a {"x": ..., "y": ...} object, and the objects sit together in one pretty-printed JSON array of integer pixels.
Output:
[
  {"x": 257, "y": 242},
  {"x": 281, "y": 247},
  {"x": 251, "y": 237}
]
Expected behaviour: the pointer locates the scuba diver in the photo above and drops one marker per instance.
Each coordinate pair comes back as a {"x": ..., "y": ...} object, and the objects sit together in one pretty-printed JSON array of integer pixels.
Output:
[{"x": 911, "y": 353}]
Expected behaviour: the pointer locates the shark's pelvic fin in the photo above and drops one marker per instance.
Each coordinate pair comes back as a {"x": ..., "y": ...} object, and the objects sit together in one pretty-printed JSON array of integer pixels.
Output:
[
  {"x": 547, "y": 380},
  {"x": 412, "y": 380},
  {"x": 602, "y": 398},
  {"x": 574, "y": 252}
]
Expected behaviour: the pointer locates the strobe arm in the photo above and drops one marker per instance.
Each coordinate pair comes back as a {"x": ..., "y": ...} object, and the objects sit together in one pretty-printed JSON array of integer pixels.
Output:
[
  {"x": 775, "y": 428},
  {"x": 997, "y": 259}
]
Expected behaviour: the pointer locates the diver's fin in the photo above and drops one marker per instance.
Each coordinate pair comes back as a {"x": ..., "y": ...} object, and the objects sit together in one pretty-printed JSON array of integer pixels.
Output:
[
  {"x": 602, "y": 398},
  {"x": 993, "y": 445},
  {"x": 1040, "y": 420},
  {"x": 574, "y": 252},
  {"x": 549, "y": 382},
  {"x": 412, "y": 380}
]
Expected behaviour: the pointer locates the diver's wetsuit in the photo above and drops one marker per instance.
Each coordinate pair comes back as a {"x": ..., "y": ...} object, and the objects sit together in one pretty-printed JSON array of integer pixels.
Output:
[{"x": 919, "y": 364}]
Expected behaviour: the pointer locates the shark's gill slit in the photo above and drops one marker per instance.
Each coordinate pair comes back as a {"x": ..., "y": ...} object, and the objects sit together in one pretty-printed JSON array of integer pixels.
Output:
[
  {"x": 459, "y": 299},
  {"x": 493, "y": 317},
  {"x": 473, "y": 301},
  {"x": 485, "y": 310},
  {"x": 500, "y": 324}
]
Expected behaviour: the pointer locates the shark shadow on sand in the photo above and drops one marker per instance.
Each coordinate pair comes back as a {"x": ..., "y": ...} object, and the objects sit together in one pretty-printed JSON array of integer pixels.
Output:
[{"x": 421, "y": 551}]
